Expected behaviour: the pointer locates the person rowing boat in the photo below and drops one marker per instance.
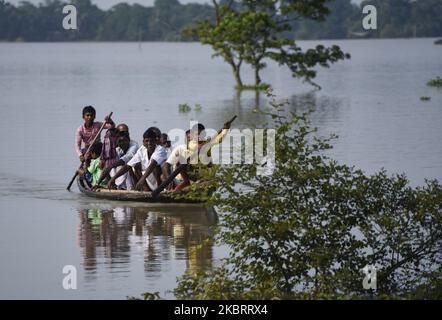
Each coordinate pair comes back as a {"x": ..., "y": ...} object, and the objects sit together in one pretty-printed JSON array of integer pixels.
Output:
[
  {"x": 150, "y": 166},
  {"x": 183, "y": 155}
]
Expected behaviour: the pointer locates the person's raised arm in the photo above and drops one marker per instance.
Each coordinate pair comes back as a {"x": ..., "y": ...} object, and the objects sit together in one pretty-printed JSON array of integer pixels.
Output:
[
  {"x": 110, "y": 124},
  {"x": 221, "y": 133}
]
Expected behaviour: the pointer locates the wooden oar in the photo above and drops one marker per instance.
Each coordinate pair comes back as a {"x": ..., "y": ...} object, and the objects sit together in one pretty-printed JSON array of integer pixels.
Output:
[
  {"x": 176, "y": 172},
  {"x": 88, "y": 149},
  {"x": 166, "y": 182}
]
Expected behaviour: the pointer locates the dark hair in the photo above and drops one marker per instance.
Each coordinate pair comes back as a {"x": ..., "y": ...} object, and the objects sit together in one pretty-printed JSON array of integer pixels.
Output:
[
  {"x": 96, "y": 148},
  {"x": 200, "y": 127},
  {"x": 89, "y": 109},
  {"x": 165, "y": 136},
  {"x": 123, "y": 137},
  {"x": 123, "y": 134},
  {"x": 150, "y": 134},
  {"x": 188, "y": 132},
  {"x": 113, "y": 132},
  {"x": 156, "y": 131}
]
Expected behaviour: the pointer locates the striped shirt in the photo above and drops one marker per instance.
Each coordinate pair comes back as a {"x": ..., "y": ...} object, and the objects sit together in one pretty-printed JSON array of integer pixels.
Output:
[{"x": 86, "y": 135}]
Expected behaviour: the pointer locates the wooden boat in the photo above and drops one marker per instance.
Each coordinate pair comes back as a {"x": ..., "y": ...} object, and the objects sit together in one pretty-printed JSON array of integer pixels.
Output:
[{"x": 130, "y": 195}]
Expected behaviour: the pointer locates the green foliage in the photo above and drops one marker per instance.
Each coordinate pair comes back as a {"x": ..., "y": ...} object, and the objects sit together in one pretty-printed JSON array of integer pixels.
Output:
[
  {"x": 184, "y": 108},
  {"x": 435, "y": 82},
  {"x": 302, "y": 64},
  {"x": 438, "y": 42},
  {"x": 343, "y": 17},
  {"x": 253, "y": 32},
  {"x": 425, "y": 98},
  {"x": 260, "y": 87},
  {"x": 308, "y": 229}
]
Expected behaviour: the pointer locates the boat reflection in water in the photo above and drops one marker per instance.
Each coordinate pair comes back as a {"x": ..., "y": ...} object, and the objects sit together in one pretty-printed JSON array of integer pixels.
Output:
[{"x": 163, "y": 241}]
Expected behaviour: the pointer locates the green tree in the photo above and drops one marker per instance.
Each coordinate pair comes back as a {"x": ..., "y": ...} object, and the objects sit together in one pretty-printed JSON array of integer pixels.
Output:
[
  {"x": 336, "y": 26},
  {"x": 28, "y": 22},
  {"x": 426, "y": 21},
  {"x": 125, "y": 22},
  {"x": 307, "y": 229},
  {"x": 252, "y": 32},
  {"x": 90, "y": 18},
  {"x": 8, "y": 21}
]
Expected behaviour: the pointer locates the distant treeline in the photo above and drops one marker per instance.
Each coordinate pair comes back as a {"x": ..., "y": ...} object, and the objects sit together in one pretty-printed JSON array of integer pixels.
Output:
[{"x": 167, "y": 18}]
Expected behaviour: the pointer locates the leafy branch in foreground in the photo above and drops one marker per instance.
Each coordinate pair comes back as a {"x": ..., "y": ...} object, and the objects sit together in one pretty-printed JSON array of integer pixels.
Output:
[{"x": 308, "y": 229}]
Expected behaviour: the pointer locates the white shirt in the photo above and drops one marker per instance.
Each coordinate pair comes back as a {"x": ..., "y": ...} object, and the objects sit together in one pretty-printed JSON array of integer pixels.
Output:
[
  {"x": 141, "y": 156},
  {"x": 183, "y": 152},
  {"x": 179, "y": 154},
  {"x": 133, "y": 147}
]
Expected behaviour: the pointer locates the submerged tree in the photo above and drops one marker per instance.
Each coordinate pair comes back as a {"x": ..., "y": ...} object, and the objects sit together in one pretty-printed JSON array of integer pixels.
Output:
[
  {"x": 253, "y": 31},
  {"x": 307, "y": 229}
]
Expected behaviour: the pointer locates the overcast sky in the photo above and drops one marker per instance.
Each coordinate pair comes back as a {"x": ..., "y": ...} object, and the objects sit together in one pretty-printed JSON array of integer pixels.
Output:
[{"x": 106, "y": 4}]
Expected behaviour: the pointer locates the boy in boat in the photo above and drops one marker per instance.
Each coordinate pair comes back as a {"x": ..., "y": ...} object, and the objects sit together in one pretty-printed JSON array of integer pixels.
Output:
[
  {"x": 165, "y": 143},
  {"x": 182, "y": 153},
  {"x": 150, "y": 156},
  {"x": 126, "y": 149},
  {"x": 92, "y": 172},
  {"x": 87, "y": 132}
]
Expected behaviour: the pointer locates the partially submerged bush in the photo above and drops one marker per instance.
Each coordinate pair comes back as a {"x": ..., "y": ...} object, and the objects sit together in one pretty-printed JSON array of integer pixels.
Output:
[
  {"x": 309, "y": 228},
  {"x": 435, "y": 82}
]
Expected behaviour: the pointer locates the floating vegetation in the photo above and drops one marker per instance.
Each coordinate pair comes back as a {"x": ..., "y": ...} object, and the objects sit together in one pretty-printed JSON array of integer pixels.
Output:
[
  {"x": 425, "y": 98},
  {"x": 438, "y": 41},
  {"x": 435, "y": 82},
  {"x": 261, "y": 87},
  {"x": 184, "y": 107}
]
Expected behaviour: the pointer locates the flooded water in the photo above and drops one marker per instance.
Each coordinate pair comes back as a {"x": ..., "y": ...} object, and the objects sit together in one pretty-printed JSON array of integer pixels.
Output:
[{"x": 371, "y": 101}]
